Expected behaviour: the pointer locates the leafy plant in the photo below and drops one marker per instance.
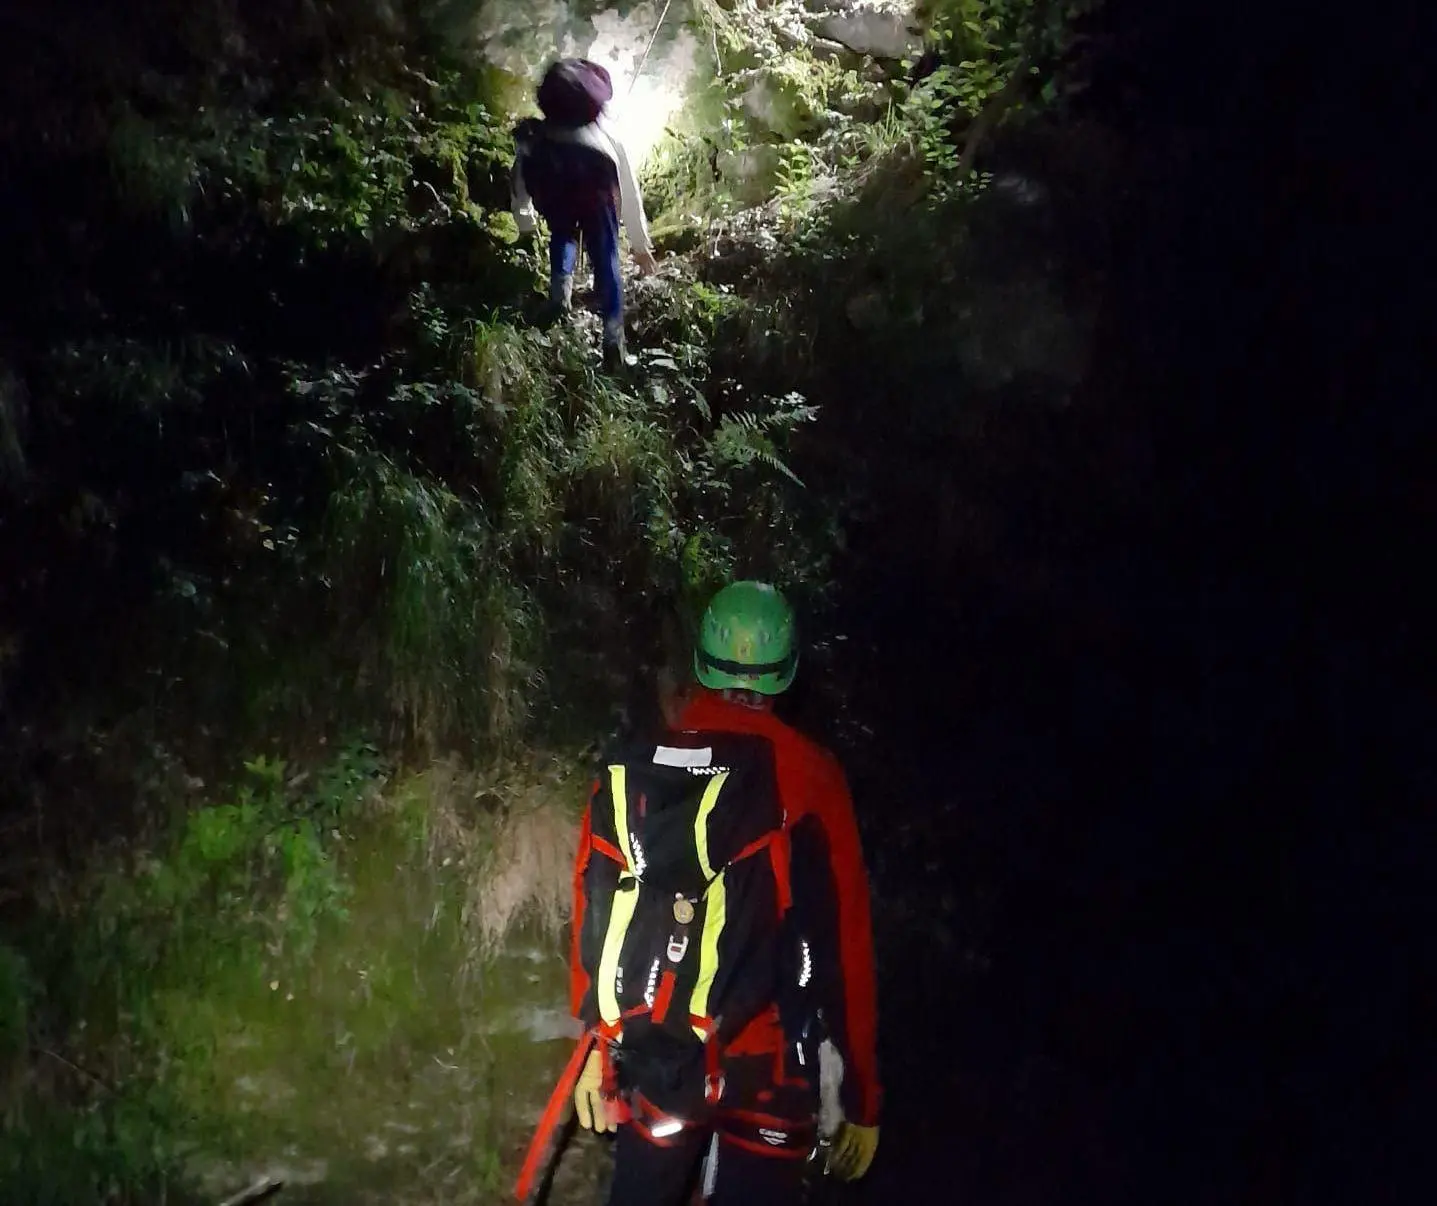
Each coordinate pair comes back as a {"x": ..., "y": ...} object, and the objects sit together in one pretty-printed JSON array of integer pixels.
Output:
[
  {"x": 239, "y": 890},
  {"x": 747, "y": 437},
  {"x": 795, "y": 182}
]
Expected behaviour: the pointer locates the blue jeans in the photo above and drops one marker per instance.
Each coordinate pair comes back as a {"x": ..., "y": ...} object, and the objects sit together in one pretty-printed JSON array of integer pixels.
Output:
[{"x": 601, "y": 237}]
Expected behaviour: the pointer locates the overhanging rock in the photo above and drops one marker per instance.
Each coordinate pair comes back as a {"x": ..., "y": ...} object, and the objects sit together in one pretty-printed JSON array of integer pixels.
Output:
[{"x": 882, "y": 29}]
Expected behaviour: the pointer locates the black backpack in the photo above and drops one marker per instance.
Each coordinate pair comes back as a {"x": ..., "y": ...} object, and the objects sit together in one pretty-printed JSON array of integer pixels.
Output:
[
  {"x": 568, "y": 182},
  {"x": 690, "y": 927},
  {"x": 688, "y": 931},
  {"x": 574, "y": 92}
]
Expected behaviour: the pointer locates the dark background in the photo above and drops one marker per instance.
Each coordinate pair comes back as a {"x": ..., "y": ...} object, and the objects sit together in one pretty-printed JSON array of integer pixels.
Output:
[{"x": 1194, "y": 778}]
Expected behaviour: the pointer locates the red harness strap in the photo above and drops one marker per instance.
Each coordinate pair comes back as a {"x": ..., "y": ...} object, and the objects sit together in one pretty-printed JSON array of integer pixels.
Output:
[
  {"x": 664, "y": 997},
  {"x": 764, "y": 1149},
  {"x": 755, "y": 846},
  {"x": 542, "y": 1143},
  {"x": 776, "y": 843},
  {"x": 645, "y": 1117},
  {"x": 713, "y": 1078},
  {"x": 608, "y": 850},
  {"x": 767, "y": 1134}
]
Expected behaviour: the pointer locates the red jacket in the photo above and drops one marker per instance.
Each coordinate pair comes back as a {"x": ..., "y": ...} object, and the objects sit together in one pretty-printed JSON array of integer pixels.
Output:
[{"x": 810, "y": 784}]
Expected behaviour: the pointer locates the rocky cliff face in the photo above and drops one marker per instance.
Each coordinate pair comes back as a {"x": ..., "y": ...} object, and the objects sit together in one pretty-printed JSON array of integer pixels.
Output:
[{"x": 662, "y": 55}]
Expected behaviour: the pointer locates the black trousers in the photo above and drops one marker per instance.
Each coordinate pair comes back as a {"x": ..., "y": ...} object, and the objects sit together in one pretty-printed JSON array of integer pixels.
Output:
[{"x": 746, "y": 1171}]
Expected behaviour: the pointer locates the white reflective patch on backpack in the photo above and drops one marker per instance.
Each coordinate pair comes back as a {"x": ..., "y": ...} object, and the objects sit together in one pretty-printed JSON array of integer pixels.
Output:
[
  {"x": 711, "y": 1167},
  {"x": 667, "y": 755}
]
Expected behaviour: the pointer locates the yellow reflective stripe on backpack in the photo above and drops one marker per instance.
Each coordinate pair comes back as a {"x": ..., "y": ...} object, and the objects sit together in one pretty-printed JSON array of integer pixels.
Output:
[
  {"x": 621, "y": 908},
  {"x": 621, "y": 912},
  {"x": 701, "y": 822},
  {"x": 619, "y": 792},
  {"x": 715, "y": 914}
]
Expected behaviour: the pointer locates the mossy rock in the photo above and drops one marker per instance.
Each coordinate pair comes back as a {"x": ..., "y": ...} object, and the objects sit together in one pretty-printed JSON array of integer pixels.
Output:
[
  {"x": 751, "y": 175},
  {"x": 784, "y": 101},
  {"x": 439, "y": 185}
]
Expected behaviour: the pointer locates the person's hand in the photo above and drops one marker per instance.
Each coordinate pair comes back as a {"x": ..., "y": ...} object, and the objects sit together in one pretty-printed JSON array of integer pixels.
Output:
[
  {"x": 853, "y": 1151},
  {"x": 646, "y": 262},
  {"x": 589, "y": 1103}
]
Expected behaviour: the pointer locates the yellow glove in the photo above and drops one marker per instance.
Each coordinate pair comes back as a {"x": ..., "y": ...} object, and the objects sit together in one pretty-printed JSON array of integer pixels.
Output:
[
  {"x": 589, "y": 1104},
  {"x": 853, "y": 1150}
]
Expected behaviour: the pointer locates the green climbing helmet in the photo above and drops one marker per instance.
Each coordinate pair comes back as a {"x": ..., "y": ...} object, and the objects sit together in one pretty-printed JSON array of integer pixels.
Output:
[{"x": 747, "y": 640}]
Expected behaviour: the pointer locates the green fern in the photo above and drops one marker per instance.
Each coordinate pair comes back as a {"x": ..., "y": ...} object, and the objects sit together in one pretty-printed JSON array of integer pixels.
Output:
[{"x": 748, "y": 436}]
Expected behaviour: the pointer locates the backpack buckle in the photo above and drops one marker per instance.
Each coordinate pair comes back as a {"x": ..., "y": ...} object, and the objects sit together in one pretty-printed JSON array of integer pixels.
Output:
[{"x": 678, "y": 947}]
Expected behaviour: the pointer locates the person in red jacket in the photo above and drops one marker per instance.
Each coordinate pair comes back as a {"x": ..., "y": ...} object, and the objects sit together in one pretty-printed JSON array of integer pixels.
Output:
[{"x": 769, "y": 1109}]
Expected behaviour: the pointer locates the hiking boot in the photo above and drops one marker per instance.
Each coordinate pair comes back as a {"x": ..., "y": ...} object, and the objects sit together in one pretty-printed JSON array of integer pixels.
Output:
[
  {"x": 614, "y": 358},
  {"x": 561, "y": 293}
]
